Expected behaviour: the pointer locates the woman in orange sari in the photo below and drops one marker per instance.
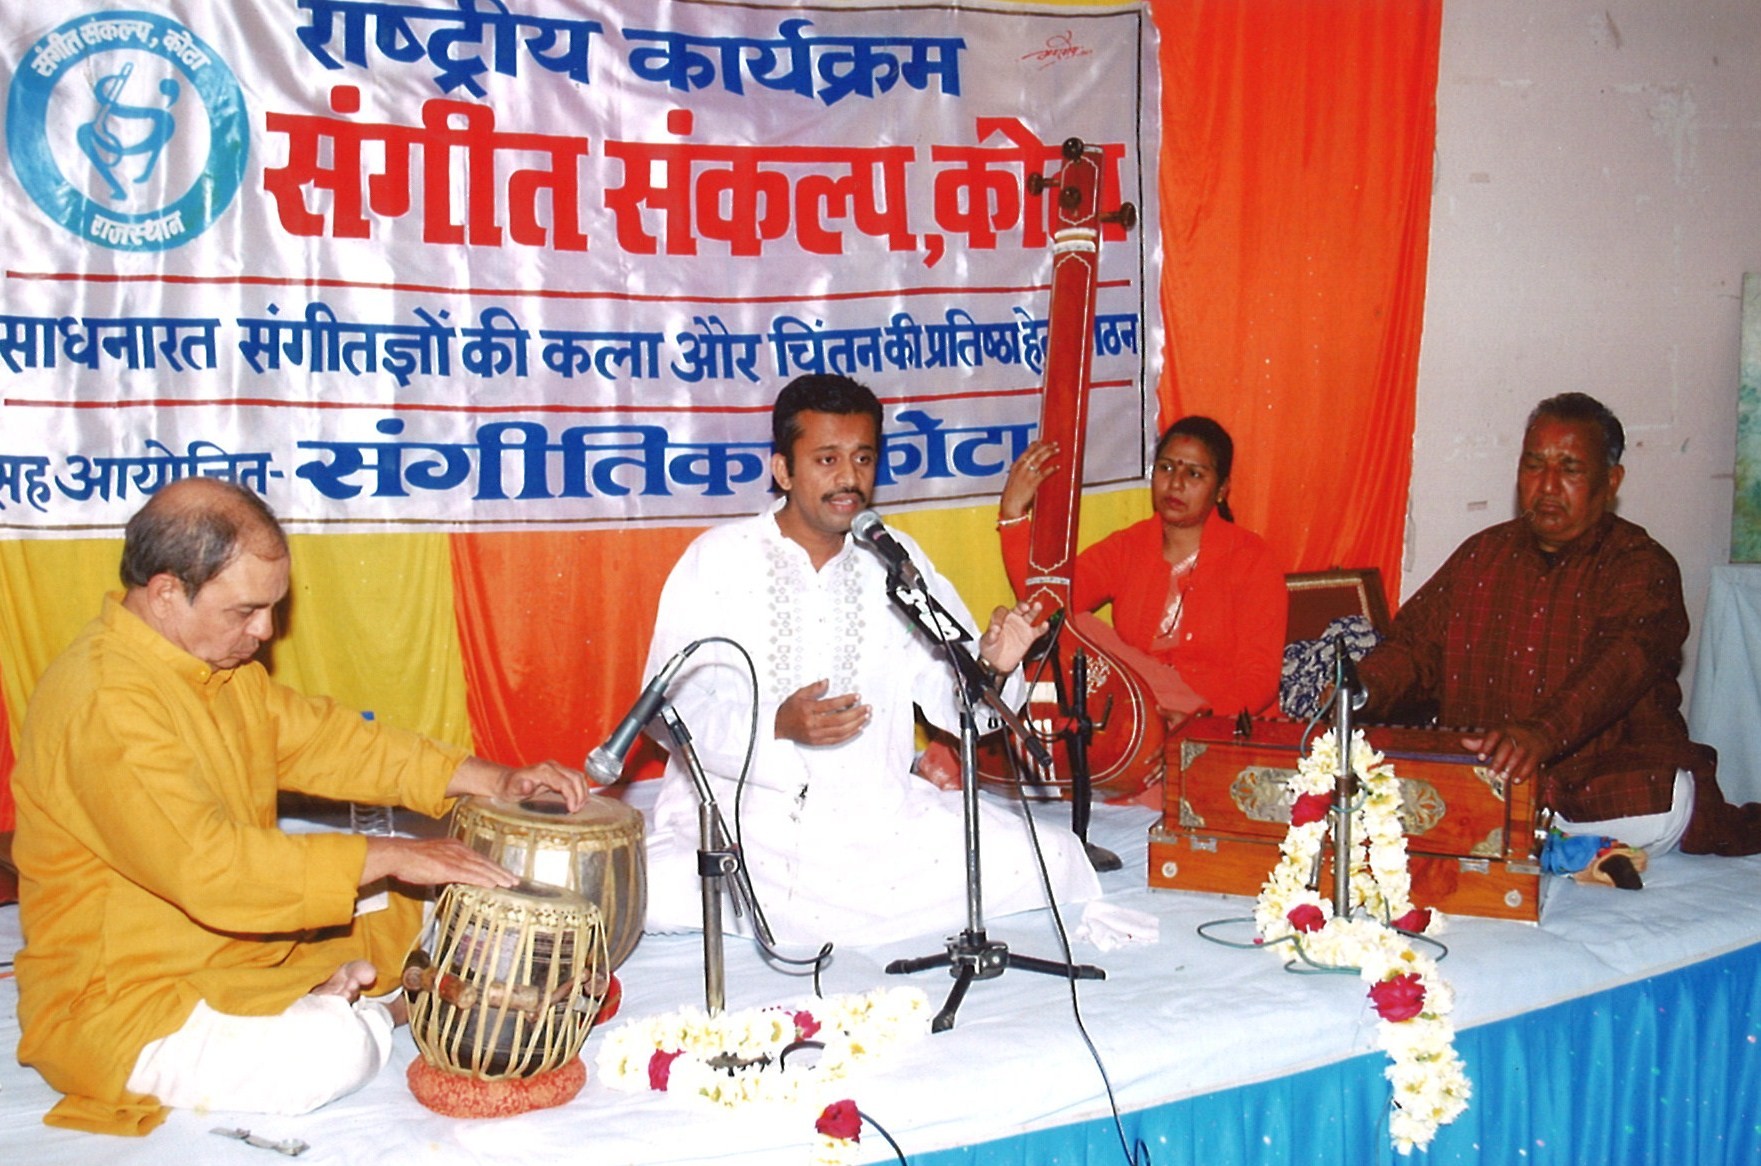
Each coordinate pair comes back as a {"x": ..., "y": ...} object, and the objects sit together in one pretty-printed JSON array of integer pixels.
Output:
[{"x": 1198, "y": 603}]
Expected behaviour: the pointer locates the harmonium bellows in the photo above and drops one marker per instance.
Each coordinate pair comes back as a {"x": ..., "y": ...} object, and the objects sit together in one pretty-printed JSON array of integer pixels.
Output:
[{"x": 1471, "y": 842}]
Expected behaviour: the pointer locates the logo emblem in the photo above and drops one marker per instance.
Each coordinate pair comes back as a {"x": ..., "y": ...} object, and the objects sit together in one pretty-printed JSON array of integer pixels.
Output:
[{"x": 127, "y": 129}]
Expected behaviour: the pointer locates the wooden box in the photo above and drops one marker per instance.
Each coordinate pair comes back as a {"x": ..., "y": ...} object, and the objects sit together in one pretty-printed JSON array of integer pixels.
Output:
[{"x": 1470, "y": 834}]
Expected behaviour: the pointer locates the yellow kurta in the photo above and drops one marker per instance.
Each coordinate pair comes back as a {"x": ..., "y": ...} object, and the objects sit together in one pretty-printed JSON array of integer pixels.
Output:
[{"x": 152, "y": 874}]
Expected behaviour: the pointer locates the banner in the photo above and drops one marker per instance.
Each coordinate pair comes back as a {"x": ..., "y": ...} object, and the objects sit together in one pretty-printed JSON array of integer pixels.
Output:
[{"x": 479, "y": 264}]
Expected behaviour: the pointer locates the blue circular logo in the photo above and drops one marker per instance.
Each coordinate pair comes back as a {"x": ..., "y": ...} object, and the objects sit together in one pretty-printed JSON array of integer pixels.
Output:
[{"x": 107, "y": 138}]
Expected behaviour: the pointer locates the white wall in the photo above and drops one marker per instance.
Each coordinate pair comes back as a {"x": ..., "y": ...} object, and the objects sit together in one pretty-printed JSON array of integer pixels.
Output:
[{"x": 1597, "y": 200}]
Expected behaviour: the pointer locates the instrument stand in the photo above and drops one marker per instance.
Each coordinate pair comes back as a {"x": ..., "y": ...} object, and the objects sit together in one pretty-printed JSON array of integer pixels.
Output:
[
  {"x": 1076, "y": 739},
  {"x": 970, "y": 955},
  {"x": 720, "y": 868}
]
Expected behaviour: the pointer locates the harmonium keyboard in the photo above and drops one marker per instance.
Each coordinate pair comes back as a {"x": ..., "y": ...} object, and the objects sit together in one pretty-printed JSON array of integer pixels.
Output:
[{"x": 1471, "y": 841}]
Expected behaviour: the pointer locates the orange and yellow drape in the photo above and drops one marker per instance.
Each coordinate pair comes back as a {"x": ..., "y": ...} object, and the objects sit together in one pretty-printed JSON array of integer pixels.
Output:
[{"x": 1297, "y": 143}]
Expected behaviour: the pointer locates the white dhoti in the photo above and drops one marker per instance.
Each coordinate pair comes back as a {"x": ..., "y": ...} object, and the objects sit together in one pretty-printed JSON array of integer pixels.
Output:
[{"x": 319, "y": 1049}]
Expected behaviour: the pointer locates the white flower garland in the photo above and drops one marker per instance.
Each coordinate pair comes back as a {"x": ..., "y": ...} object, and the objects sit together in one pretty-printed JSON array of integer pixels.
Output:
[
  {"x": 1430, "y": 1085},
  {"x": 738, "y": 1058}
]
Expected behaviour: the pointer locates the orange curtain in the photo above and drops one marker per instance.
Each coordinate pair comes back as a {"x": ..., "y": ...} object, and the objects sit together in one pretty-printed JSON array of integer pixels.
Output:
[
  {"x": 554, "y": 628},
  {"x": 1297, "y": 141}
]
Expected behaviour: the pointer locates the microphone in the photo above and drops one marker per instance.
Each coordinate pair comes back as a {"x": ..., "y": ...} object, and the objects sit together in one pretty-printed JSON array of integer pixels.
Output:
[
  {"x": 606, "y": 763},
  {"x": 868, "y": 528},
  {"x": 1348, "y": 681}
]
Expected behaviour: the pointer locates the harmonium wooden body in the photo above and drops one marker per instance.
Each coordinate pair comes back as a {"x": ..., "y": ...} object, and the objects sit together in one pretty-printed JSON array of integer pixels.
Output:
[{"x": 1471, "y": 843}]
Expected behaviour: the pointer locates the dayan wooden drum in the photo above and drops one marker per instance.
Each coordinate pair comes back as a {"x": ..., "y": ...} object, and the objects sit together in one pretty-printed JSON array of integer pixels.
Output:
[
  {"x": 596, "y": 851},
  {"x": 503, "y": 987}
]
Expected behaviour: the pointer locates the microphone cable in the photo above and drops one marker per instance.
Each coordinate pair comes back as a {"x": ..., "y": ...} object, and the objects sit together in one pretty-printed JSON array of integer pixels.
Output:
[
  {"x": 1134, "y": 1152},
  {"x": 822, "y": 958},
  {"x": 1138, "y": 1154}
]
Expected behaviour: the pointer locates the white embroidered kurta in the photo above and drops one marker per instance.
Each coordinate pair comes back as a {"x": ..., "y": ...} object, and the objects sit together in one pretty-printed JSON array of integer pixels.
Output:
[{"x": 843, "y": 842}]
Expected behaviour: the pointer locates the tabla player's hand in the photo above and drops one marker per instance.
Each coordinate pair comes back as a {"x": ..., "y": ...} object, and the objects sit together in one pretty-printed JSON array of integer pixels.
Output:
[
  {"x": 516, "y": 785},
  {"x": 430, "y": 862},
  {"x": 1514, "y": 751},
  {"x": 507, "y": 783},
  {"x": 809, "y": 717},
  {"x": 1036, "y": 463}
]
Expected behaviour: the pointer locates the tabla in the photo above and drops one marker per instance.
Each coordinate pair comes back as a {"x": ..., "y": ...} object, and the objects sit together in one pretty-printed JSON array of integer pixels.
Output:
[
  {"x": 506, "y": 982},
  {"x": 596, "y": 851}
]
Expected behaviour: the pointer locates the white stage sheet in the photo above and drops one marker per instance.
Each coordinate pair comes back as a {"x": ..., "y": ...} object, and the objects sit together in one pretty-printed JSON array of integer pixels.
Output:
[{"x": 1174, "y": 1018}]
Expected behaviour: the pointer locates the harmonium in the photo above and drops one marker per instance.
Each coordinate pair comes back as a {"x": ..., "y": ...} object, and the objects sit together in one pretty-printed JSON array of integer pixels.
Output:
[{"x": 1471, "y": 842}]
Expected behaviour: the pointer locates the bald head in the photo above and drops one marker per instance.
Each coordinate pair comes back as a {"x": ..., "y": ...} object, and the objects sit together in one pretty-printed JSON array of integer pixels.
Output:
[{"x": 194, "y": 528}]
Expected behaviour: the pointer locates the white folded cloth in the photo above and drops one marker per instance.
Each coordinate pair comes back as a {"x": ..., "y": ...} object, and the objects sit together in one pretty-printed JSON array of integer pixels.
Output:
[{"x": 1108, "y": 925}]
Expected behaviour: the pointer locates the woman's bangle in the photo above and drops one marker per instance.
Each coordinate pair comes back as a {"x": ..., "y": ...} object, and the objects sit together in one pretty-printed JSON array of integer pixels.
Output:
[{"x": 1002, "y": 522}]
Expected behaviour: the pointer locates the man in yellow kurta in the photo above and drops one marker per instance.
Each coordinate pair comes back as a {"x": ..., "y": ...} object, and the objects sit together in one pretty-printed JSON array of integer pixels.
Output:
[{"x": 178, "y": 947}]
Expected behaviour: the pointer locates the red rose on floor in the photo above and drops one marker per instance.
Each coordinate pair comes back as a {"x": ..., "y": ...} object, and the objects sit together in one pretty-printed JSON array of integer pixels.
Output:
[
  {"x": 1307, "y": 917},
  {"x": 840, "y": 1120},
  {"x": 805, "y": 1025},
  {"x": 1310, "y": 808},
  {"x": 1414, "y": 921},
  {"x": 1399, "y": 998},
  {"x": 660, "y": 1068}
]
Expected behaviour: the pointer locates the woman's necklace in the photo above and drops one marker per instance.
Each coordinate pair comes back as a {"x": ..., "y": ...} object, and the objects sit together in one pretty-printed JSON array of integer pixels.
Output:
[{"x": 1178, "y": 582}]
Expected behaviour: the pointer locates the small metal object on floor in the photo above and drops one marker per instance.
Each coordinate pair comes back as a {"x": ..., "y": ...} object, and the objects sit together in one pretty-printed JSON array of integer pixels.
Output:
[{"x": 292, "y": 1147}]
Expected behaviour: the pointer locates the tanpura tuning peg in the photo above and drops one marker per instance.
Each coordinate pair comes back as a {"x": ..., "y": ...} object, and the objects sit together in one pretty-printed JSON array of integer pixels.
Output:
[
  {"x": 1125, "y": 216},
  {"x": 1073, "y": 148},
  {"x": 1037, "y": 183}
]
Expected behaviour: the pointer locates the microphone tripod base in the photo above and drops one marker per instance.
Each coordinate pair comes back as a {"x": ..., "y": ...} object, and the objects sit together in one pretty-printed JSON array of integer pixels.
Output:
[
  {"x": 970, "y": 956},
  {"x": 1101, "y": 858}
]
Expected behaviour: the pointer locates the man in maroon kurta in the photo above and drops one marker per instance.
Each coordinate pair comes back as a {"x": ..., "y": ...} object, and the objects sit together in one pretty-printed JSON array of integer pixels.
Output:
[{"x": 1560, "y": 634}]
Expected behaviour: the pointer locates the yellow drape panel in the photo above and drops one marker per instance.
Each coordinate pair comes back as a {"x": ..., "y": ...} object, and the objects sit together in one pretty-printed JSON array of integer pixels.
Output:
[
  {"x": 49, "y": 590},
  {"x": 370, "y": 622},
  {"x": 8, "y": 808}
]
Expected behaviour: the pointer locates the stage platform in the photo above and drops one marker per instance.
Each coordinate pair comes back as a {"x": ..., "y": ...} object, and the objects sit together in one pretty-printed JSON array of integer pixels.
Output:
[{"x": 1624, "y": 1028}]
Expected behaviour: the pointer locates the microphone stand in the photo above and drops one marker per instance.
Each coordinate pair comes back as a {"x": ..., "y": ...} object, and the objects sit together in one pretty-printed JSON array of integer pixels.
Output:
[
  {"x": 971, "y": 955},
  {"x": 1345, "y": 694},
  {"x": 720, "y": 868},
  {"x": 1076, "y": 739}
]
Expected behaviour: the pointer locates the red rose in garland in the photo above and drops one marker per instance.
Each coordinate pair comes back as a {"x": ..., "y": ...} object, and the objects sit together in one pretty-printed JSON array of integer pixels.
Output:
[
  {"x": 660, "y": 1068},
  {"x": 1399, "y": 998},
  {"x": 840, "y": 1119},
  {"x": 1310, "y": 808},
  {"x": 1306, "y": 917},
  {"x": 1414, "y": 921}
]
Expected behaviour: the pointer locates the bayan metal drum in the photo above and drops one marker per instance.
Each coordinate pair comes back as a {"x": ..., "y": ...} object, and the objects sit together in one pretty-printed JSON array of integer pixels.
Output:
[
  {"x": 504, "y": 985},
  {"x": 596, "y": 851}
]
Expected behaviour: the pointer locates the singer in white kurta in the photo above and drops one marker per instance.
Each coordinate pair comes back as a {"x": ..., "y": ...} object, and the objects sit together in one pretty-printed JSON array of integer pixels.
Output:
[{"x": 844, "y": 843}]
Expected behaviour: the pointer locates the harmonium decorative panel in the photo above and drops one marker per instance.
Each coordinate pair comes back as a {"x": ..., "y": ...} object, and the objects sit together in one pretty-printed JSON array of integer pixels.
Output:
[{"x": 1470, "y": 833}]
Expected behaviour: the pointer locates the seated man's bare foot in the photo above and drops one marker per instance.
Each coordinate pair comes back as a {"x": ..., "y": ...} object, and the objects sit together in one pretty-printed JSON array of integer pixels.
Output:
[{"x": 348, "y": 981}]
